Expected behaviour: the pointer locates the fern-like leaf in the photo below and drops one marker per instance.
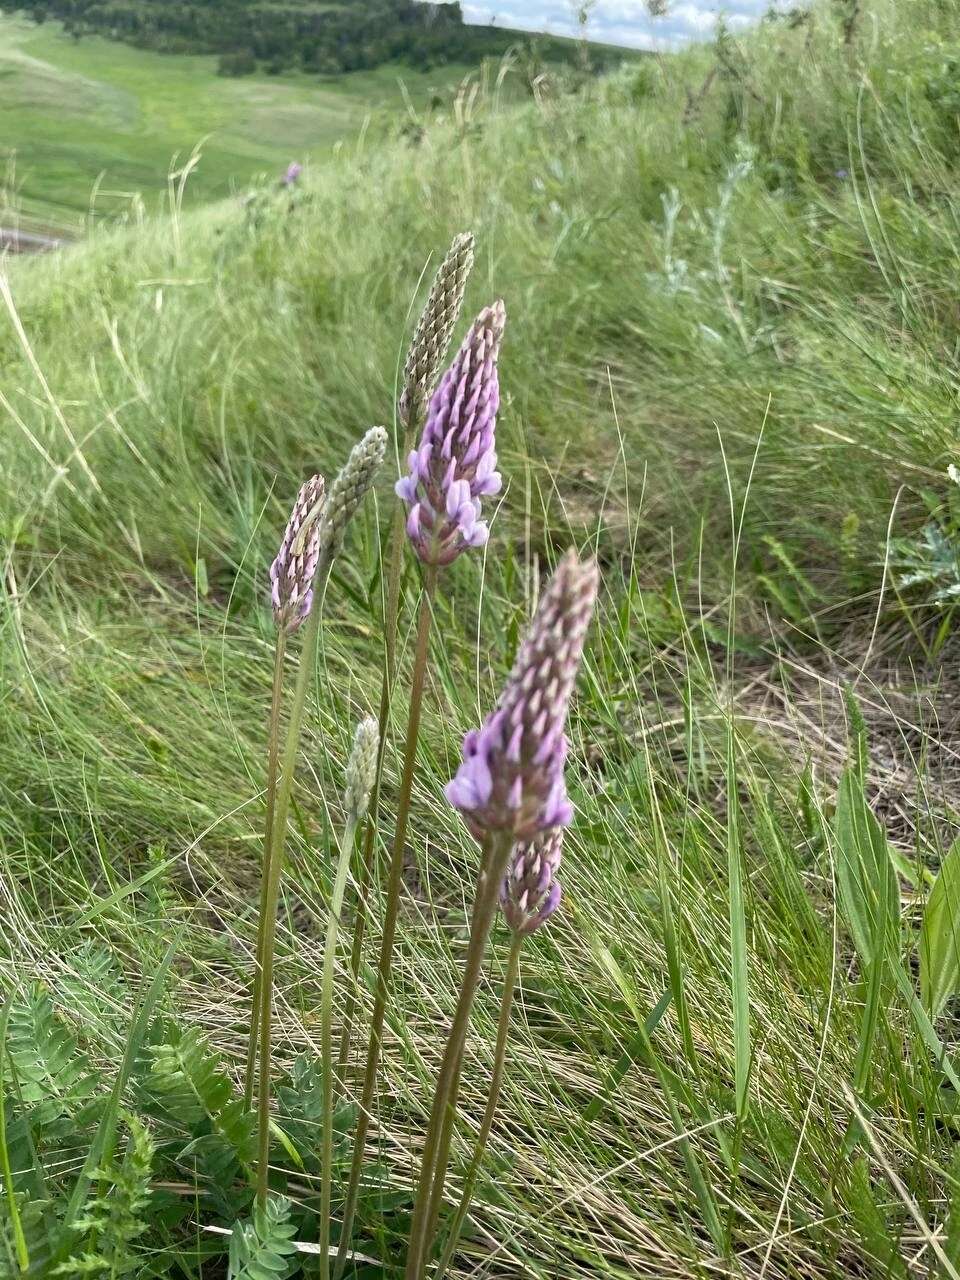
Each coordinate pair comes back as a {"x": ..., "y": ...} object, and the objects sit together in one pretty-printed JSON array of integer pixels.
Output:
[
  {"x": 300, "y": 1111},
  {"x": 42, "y": 1234},
  {"x": 187, "y": 1081},
  {"x": 54, "y": 1077},
  {"x": 93, "y": 988}
]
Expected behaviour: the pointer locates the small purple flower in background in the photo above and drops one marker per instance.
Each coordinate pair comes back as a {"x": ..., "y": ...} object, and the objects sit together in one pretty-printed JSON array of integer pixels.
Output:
[
  {"x": 456, "y": 460},
  {"x": 293, "y": 172},
  {"x": 530, "y": 892},
  {"x": 511, "y": 779},
  {"x": 292, "y": 573},
  {"x": 843, "y": 174}
]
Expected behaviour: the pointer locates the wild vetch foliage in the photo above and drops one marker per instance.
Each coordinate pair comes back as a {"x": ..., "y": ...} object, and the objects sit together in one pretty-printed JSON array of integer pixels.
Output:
[
  {"x": 435, "y": 329},
  {"x": 293, "y": 571},
  {"x": 530, "y": 892},
  {"x": 511, "y": 779},
  {"x": 455, "y": 462}
]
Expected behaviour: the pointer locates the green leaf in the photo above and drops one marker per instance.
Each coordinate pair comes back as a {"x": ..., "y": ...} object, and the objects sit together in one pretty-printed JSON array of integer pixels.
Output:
[
  {"x": 878, "y": 1239},
  {"x": 951, "y": 1235},
  {"x": 940, "y": 936},
  {"x": 187, "y": 1080},
  {"x": 262, "y": 1248},
  {"x": 54, "y": 1076},
  {"x": 16, "y": 1224},
  {"x": 114, "y": 1217},
  {"x": 870, "y": 897},
  {"x": 102, "y": 1144},
  {"x": 869, "y": 890},
  {"x": 628, "y": 1057},
  {"x": 925, "y": 1027}
]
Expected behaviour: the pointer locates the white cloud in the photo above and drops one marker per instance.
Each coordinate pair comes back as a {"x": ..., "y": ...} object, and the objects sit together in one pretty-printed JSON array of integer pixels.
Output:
[{"x": 626, "y": 22}]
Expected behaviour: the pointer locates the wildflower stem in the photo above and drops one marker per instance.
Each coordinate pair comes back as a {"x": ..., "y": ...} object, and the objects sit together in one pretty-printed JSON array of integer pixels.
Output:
[
  {"x": 436, "y": 1148},
  {"x": 493, "y": 1098},
  {"x": 390, "y": 617},
  {"x": 273, "y": 755},
  {"x": 326, "y": 1036},
  {"x": 391, "y": 910},
  {"x": 305, "y": 671}
]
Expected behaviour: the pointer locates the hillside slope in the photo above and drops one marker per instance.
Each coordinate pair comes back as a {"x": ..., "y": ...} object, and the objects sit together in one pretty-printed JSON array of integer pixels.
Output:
[
  {"x": 135, "y": 116},
  {"x": 730, "y": 369},
  {"x": 312, "y": 35},
  {"x": 779, "y": 259}
]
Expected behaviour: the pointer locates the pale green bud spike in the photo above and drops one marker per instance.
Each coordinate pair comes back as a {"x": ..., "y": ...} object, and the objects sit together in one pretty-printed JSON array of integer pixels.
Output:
[
  {"x": 347, "y": 491},
  {"x": 362, "y": 768},
  {"x": 435, "y": 328}
]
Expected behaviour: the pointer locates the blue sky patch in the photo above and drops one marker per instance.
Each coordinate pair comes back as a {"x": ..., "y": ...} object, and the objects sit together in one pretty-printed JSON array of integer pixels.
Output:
[{"x": 626, "y": 22}]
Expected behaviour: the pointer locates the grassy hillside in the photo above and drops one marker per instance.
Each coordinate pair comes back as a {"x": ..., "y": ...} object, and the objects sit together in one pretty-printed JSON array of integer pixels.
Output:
[
  {"x": 93, "y": 125},
  {"x": 307, "y": 34},
  {"x": 730, "y": 370}
]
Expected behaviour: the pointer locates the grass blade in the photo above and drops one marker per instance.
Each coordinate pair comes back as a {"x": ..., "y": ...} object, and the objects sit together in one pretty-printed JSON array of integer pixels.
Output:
[
  {"x": 739, "y": 971},
  {"x": 106, "y": 1130}
]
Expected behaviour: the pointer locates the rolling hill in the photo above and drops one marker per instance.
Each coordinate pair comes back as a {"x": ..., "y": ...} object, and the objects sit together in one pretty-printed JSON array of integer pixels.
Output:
[{"x": 94, "y": 126}]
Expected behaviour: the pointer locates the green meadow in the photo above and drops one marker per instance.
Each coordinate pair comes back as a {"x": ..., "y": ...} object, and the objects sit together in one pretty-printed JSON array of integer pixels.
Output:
[{"x": 93, "y": 126}]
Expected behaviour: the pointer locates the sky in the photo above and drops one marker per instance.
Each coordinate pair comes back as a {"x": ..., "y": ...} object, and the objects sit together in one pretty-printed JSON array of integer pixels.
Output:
[{"x": 625, "y": 22}]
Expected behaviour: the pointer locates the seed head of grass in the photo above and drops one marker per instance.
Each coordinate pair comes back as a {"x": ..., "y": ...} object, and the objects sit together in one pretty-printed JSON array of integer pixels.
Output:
[{"x": 511, "y": 779}]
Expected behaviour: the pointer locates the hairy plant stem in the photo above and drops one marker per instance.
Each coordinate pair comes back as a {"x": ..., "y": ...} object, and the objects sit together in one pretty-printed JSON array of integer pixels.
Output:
[
  {"x": 308, "y": 652},
  {"x": 436, "y": 1148},
  {"x": 448, "y": 1122},
  {"x": 391, "y": 910},
  {"x": 390, "y": 618},
  {"x": 273, "y": 756},
  {"x": 493, "y": 1098},
  {"x": 326, "y": 1036}
]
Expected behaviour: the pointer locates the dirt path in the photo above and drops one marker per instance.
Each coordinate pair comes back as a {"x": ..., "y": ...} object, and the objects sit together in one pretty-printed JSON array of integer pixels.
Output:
[{"x": 15, "y": 241}]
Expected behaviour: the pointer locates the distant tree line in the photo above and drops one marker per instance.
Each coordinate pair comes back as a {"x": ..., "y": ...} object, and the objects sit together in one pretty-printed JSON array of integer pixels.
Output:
[{"x": 280, "y": 35}]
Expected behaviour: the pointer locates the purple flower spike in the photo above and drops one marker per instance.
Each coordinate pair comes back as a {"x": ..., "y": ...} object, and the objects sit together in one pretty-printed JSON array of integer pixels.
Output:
[
  {"x": 530, "y": 892},
  {"x": 511, "y": 779},
  {"x": 455, "y": 464},
  {"x": 293, "y": 172},
  {"x": 293, "y": 571}
]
